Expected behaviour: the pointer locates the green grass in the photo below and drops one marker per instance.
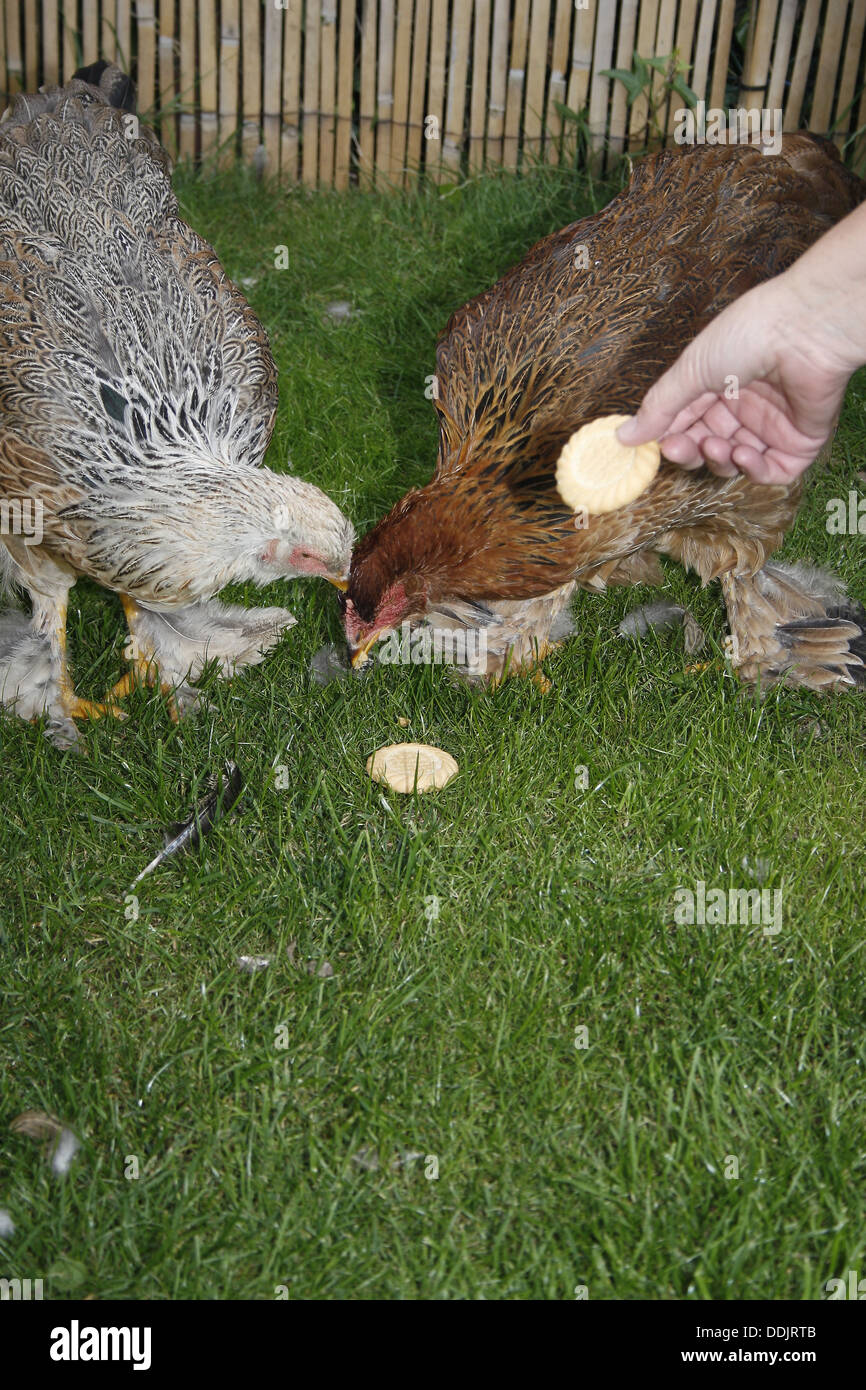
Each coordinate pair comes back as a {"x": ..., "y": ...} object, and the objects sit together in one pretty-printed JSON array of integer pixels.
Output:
[{"x": 454, "y": 1036}]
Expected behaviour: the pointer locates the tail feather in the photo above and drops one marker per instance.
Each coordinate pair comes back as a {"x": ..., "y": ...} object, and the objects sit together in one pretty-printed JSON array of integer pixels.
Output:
[
  {"x": 115, "y": 86},
  {"x": 796, "y": 624}
]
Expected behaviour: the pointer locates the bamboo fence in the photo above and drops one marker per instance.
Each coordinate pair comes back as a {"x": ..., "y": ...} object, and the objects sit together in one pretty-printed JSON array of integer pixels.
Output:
[{"x": 332, "y": 92}]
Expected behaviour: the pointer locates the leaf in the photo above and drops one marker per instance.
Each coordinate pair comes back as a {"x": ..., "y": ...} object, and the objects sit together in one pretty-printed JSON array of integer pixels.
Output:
[
  {"x": 567, "y": 114},
  {"x": 683, "y": 90},
  {"x": 633, "y": 84},
  {"x": 640, "y": 67}
]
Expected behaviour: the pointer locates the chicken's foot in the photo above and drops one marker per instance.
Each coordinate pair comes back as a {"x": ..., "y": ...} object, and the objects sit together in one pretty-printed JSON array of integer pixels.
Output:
[
  {"x": 144, "y": 670},
  {"x": 74, "y": 707}
]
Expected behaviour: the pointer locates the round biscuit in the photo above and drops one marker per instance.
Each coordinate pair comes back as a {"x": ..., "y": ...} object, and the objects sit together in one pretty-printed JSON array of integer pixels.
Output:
[
  {"x": 397, "y": 763},
  {"x": 597, "y": 474}
]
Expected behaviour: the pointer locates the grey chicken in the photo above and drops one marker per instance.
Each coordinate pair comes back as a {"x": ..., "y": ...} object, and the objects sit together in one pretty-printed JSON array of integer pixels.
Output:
[{"x": 137, "y": 399}]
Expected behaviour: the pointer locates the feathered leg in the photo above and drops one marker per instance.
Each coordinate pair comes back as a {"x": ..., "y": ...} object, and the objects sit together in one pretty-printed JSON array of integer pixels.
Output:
[
  {"x": 788, "y": 623},
  {"x": 795, "y": 624},
  {"x": 173, "y": 646},
  {"x": 34, "y": 671},
  {"x": 49, "y": 622},
  {"x": 143, "y": 668}
]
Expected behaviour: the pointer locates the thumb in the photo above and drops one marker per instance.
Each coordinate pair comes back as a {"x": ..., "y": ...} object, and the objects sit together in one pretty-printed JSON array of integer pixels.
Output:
[
  {"x": 641, "y": 428},
  {"x": 680, "y": 386}
]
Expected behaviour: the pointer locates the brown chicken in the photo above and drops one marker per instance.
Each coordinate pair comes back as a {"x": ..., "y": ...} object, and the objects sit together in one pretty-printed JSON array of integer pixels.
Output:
[{"x": 579, "y": 329}]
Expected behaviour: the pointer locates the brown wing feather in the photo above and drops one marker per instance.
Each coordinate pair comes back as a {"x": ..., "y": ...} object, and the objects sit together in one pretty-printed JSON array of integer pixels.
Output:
[{"x": 556, "y": 343}]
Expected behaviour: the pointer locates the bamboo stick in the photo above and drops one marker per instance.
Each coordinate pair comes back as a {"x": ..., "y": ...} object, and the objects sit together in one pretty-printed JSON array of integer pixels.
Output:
[
  {"x": 251, "y": 71},
  {"x": 434, "y": 114},
  {"x": 619, "y": 114},
  {"x": 581, "y": 60},
  {"x": 167, "y": 77},
  {"x": 516, "y": 85},
  {"x": 828, "y": 66},
  {"x": 455, "y": 113},
  {"x": 68, "y": 37},
  {"x": 107, "y": 39},
  {"x": 209, "y": 77},
  {"x": 848, "y": 82},
  {"x": 402, "y": 73},
  {"x": 4, "y": 78},
  {"x": 230, "y": 53},
  {"x": 685, "y": 38},
  {"x": 50, "y": 43},
  {"x": 123, "y": 30},
  {"x": 146, "y": 69},
  {"x": 188, "y": 93},
  {"x": 415, "y": 135},
  {"x": 703, "y": 49},
  {"x": 556, "y": 89},
  {"x": 345, "y": 79},
  {"x": 639, "y": 133},
  {"x": 310, "y": 120},
  {"x": 273, "y": 62},
  {"x": 498, "y": 80},
  {"x": 31, "y": 45},
  {"x": 536, "y": 70},
  {"x": 599, "y": 89},
  {"x": 385, "y": 90},
  {"x": 782, "y": 55},
  {"x": 664, "y": 45},
  {"x": 89, "y": 32},
  {"x": 328, "y": 92},
  {"x": 722, "y": 51},
  {"x": 290, "y": 131},
  {"x": 367, "y": 104},
  {"x": 478, "y": 104},
  {"x": 858, "y": 154},
  {"x": 802, "y": 63},
  {"x": 756, "y": 63},
  {"x": 14, "y": 53}
]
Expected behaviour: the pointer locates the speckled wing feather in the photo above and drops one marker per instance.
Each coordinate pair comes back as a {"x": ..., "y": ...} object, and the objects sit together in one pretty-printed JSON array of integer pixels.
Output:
[
  {"x": 585, "y": 324},
  {"x": 124, "y": 348}
]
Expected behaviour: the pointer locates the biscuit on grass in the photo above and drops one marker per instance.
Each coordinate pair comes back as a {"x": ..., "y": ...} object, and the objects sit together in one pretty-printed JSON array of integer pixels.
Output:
[
  {"x": 597, "y": 474},
  {"x": 397, "y": 763}
]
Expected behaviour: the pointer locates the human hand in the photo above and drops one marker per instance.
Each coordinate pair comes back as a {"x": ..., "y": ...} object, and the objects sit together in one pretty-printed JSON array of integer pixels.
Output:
[{"x": 758, "y": 391}]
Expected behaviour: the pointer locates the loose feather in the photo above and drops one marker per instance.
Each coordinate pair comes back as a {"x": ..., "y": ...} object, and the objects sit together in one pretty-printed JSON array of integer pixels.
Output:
[{"x": 214, "y": 806}]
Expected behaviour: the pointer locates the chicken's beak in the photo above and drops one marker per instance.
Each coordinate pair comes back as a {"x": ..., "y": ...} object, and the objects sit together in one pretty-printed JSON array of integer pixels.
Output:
[
  {"x": 361, "y": 654},
  {"x": 341, "y": 584}
]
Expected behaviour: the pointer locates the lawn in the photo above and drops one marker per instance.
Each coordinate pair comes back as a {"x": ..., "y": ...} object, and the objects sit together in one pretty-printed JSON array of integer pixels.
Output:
[{"x": 520, "y": 1078}]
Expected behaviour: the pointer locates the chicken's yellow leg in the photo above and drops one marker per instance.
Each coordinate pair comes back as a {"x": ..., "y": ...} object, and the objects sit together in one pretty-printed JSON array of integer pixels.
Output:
[
  {"x": 143, "y": 669},
  {"x": 73, "y": 704}
]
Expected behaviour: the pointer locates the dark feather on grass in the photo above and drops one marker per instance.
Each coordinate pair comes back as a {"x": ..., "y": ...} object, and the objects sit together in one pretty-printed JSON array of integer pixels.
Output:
[{"x": 216, "y": 803}]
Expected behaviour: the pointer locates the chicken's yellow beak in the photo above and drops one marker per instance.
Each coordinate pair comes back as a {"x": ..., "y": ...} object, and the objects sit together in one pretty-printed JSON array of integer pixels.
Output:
[
  {"x": 341, "y": 584},
  {"x": 361, "y": 654}
]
